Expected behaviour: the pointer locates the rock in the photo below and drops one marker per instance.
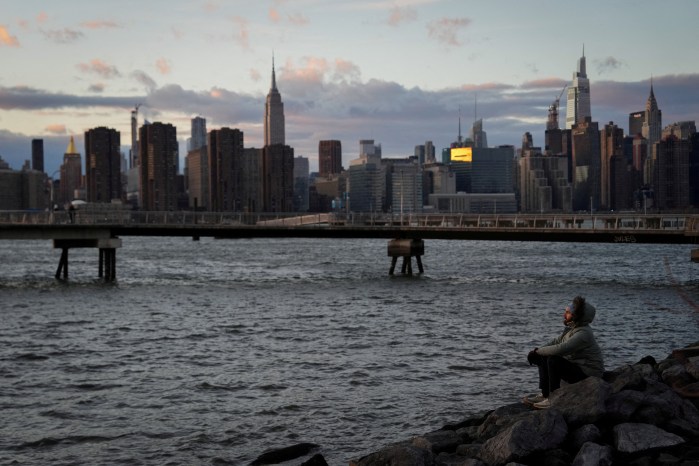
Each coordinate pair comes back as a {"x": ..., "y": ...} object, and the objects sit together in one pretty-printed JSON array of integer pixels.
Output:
[
  {"x": 631, "y": 377},
  {"x": 395, "y": 455},
  {"x": 582, "y": 402},
  {"x": 476, "y": 420},
  {"x": 633, "y": 437},
  {"x": 592, "y": 454},
  {"x": 469, "y": 450},
  {"x": 662, "y": 404},
  {"x": 584, "y": 434},
  {"x": 284, "y": 454},
  {"x": 541, "y": 430},
  {"x": 621, "y": 406},
  {"x": 315, "y": 460},
  {"x": 676, "y": 375},
  {"x": 502, "y": 418},
  {"x": 439, "y": 441},
  {"x": 451, "y": 459}
]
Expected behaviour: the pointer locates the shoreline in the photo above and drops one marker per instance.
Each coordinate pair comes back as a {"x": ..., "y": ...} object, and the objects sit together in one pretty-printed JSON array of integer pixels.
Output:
[{"x": 645, "y": 413}]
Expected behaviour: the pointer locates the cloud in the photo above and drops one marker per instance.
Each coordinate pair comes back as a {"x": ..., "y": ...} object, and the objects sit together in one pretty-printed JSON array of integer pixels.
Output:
[
  {"x": 274, "y": 15},
  {"x": 242, "y": 35},
  {"x": 255, "y": 75},
  {"x": 42, "y": 17},
  {"x": 99, "y": 24},
  {"x": 608, "y": 65},
  {"x": 28, "y": 98},
  {"x": 56, "y": 129},
  {"x": 399, "y": 15},
  {"x": 7, "y": 39},
  {"x": 96, "y": 87},
  {"x": 163, "y": 65},
  {"x": 178, "y": 33},
  {"x": 99, "y": 67},
  {"x": 143, "y": 78},
  {"x": 446, "y": 30},
  {"x": 63, "y": 36}
]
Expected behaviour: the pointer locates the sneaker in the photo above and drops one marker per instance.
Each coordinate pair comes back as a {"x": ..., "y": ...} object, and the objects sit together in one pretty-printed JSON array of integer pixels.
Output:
[
  {"x": 531, "y": 400},
  {"x": 545, "y": 404}
]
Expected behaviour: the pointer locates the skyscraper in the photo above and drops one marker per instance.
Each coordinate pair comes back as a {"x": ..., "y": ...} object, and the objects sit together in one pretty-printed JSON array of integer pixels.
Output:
[
  {"x": 103, "y": 164},
  {"x": 578, "y": 104},
  {"x": 479, "y": 137},
  {"x": 586, "y": 165},
  {"x": 71, "y": 173},
  {"x": 653, "y": 120},
  {"x": 274, "y": 115},
  {"x": 158, "y": 151},
  {"x": 330, "y": 157},
  {"x": 671, "y": 173},
  {"x": 198, "y": 139},
  {"x": 277, "y": 178},
  {"x": 38, "y": 154},
  {"x": 226, "y": 174},
  {"x": 611, "y": 145}
]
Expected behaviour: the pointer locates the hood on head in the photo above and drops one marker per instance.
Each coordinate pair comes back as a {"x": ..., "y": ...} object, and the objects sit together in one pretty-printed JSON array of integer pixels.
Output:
[{"x": 587, "y": 315}]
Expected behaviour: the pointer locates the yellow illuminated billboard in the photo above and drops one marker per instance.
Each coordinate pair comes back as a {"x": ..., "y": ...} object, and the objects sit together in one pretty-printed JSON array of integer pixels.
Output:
[{"x": 461, "y": 154}]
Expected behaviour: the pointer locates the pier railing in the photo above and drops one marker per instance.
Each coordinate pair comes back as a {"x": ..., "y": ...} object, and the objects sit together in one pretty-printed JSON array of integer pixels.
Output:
[{"x": 551, "y": 222}]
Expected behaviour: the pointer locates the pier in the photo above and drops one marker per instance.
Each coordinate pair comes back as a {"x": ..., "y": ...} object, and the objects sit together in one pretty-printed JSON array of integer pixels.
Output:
[{"x": 406, "y": 233}]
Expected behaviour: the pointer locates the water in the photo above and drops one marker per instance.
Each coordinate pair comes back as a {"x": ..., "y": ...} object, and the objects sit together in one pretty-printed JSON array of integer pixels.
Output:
[{"x": 211, "y": 352}]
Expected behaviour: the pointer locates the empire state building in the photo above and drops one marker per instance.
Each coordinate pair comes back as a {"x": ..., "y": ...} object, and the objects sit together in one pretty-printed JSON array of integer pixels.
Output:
[
  {"x": 274, "y": 115},
  {"x": 578, "y": 104}
]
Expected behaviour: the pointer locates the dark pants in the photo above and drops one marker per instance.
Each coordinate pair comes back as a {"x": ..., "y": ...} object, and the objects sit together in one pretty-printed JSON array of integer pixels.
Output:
[{"x": 553, "y": 369}]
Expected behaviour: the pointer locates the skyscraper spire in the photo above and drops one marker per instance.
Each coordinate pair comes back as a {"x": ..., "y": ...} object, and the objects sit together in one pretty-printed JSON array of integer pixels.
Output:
[
  {"x": 460, "y": 138},
  {"x": 274, "y": 114},
  {"x": 274, "y": 79},
  {"x": 578, "y": 102}
]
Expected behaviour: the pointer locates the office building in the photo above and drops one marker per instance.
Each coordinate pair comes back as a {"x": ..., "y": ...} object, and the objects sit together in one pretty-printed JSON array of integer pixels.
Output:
[
  {"x": 159, "y": 152},
  {"x": 578, "y": 102},
  {"x": 301, "y": 180},
  {"x": 586, "y": 165},
  {"x": 636, "y": 121},
  {"x": 71, "y": 175},
  {"x": 274, "y": 115},
  {"x": 197, "y": 163},
  {"x": 671, "y": 173},
  {"x": 611, "y": 144},
  {"x": 680, "y": 129},
  {"x": 492, "y": 170},
  {"x": 367, "y": 179},
  {"x": 198, "y": 138},
  {"x": 22, "y": 189},
  {"x": 277, "y": 178},
  {"x": 478, "y": 136},
  {"x": 251, "y": 189},
  {"x": 405, "y": 189},
  {"x": 225, "y": 149},
  {"x": 329, "y": 157},
  {"x": 103, "y": 165},
  {"x": 544, "y": 183},
  {"x": 38, "y": 154}
]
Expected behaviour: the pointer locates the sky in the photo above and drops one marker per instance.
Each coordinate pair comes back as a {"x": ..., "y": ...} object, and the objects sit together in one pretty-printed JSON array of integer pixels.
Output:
[{"x": 396, "y": 71}]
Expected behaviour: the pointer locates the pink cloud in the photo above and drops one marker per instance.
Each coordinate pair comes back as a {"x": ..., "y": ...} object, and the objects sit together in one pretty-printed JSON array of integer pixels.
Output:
[
  {"x": 243, "y": 34},
  {"x": 7, "y": 39},
  {"x": 255, "y": 75},
  {"x": 401, "y": 15},
  {"x": 164, "y": 66},
  {"x": 274, "y": 15},
  {"x": 312, "y": 70},
  {"x": 556, "y": 83},
  {"x": 56, "y": 129},
  {"x": 99, "y": 67},
  {"x": 446, "y": 30},
  {"x": 42, "y": 17},
  {"x": 346, "y": 70},
  {"x": 99, "y": 24}
]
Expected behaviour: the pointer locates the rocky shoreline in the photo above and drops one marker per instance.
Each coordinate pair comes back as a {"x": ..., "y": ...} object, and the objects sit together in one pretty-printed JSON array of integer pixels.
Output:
[{"x": 641, "y": 414}]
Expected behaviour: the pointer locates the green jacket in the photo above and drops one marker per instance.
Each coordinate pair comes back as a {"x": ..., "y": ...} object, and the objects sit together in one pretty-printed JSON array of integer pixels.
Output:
[{"x": 577, "y": 344}]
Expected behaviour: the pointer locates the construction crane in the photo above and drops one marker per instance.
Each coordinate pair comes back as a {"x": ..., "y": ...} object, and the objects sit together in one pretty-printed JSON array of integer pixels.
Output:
[{"x": 552, "y": 122}]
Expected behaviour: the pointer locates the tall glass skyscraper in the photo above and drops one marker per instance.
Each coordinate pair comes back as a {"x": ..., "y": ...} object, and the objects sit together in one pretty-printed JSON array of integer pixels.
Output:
[{"x": 578, "y": 105}]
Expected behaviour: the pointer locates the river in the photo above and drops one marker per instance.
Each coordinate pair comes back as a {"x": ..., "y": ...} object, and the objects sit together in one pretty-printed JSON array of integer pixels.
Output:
[{"x": 212, "y": 351}]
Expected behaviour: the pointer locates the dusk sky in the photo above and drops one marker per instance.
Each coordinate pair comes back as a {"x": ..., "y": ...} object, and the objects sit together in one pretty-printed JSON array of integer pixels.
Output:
[{"x": 393, "y": 71}]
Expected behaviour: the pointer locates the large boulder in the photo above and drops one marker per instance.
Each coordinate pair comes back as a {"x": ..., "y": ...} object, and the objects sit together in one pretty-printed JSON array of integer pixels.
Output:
[
  {"x": 541, "y": 430},
  {"x": 502, "y": 418},
  {"x": 592, "y": 454},
  {"x": 631, "y": 377},
  {"x": 584, "y": 434},
  {"x": 439, "y": 441},
  {"x": 631, "y": 437},
  {"x": 583, "y": 402},
  {"x": 621, "y": 406}
]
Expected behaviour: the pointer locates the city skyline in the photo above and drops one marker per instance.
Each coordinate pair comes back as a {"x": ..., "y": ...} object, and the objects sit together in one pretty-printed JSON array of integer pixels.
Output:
[{"x": 396, "y": 72}]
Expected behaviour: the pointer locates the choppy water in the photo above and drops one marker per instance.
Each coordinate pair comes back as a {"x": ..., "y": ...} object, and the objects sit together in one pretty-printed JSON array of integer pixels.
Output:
[{"x": 211, "y": 352}]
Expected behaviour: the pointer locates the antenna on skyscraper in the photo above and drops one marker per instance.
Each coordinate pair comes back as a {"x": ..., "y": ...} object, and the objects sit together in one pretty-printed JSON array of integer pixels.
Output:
[{"x": 460, "y": 139}]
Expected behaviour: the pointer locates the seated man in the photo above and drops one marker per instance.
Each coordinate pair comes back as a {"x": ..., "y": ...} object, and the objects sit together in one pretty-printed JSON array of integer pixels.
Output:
[{"x": 572, "y": 356}]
